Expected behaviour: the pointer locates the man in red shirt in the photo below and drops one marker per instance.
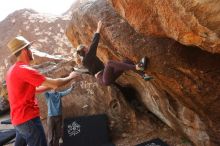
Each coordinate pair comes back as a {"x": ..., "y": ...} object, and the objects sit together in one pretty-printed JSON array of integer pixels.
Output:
[{"x": 22, "y": 84}]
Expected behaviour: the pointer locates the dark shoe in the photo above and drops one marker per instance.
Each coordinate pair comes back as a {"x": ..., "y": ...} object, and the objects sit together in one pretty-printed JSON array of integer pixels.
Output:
[
  {"x": 146, "y": 77},
  {"x": 142, "y": 64}
]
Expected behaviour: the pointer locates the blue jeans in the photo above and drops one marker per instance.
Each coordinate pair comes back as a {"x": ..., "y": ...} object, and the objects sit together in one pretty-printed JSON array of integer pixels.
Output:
[{"x": 31, "y": 133}]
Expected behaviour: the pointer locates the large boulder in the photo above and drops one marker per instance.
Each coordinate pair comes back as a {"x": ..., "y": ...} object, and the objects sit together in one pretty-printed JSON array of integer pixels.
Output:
[
  {"x": 184, "y": 93},
  {"x": 191, "y": 22}
]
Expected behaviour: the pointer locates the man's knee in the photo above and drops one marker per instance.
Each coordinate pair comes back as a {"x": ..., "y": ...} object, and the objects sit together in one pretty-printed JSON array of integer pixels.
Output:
[{"x": 110, "y": 64}]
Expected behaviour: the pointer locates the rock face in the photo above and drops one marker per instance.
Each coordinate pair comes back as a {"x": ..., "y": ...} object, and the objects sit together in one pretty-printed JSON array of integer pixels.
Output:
[
  {"x": 192, "y": 22},
  {"x": 184, "y": 93},
  {"x": 47, "y": 31},
  {"x": 130, "y": 123},
  {"x": 181, "y": 40}
]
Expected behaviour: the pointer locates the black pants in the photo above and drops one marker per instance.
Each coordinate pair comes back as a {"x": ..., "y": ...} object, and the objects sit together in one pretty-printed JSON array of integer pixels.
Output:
[
  {"x": 114, "y": 69},
  {"x": 54, "y": 130}
]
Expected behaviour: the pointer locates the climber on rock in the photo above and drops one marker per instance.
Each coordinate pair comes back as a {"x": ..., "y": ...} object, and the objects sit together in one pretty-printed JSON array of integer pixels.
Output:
[
  {"x": 106, "y": 75},
  {"x": 87, "y": 56}
]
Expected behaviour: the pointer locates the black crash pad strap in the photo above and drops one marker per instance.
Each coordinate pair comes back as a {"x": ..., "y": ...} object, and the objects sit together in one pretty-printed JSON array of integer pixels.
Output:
[{"x": 8, "y": 121}]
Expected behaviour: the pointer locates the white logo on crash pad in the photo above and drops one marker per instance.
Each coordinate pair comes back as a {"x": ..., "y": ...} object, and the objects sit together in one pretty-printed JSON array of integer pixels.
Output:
[{"x": 73, "y": 129}]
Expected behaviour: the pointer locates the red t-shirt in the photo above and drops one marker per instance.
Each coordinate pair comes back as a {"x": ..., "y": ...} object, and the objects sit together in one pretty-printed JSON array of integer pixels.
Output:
[{"x": 22, "y": 81}]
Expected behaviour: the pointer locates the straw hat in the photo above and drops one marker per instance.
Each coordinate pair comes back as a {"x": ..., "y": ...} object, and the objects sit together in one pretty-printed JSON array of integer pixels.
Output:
[{"x": 18, "y": 43}]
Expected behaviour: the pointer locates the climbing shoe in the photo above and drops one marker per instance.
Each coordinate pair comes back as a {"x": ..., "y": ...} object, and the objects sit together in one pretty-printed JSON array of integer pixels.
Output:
[{"x": 142, "y": 64}]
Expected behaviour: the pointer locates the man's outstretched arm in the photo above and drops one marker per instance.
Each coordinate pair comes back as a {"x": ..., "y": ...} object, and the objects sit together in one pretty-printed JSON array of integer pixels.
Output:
[{"x": 58, "y": 82}]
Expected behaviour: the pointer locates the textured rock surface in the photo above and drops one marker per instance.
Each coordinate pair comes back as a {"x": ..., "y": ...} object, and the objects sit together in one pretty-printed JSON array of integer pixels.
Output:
[
  {"x": 191, "y": 22},
  {"x": 4, "y": 104},
  {"x": 185, "y": 89}
]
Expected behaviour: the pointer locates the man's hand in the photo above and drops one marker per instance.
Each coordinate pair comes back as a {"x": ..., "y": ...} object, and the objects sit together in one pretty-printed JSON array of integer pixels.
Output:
[
  {"x": 96, "y": 75},
  {"x": 99, "y": 26}
]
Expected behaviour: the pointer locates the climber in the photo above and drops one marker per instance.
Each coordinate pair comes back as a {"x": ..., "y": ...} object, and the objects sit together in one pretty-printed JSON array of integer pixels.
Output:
[
  {"x": 88, "y": 55},
  {"x": 109, "y": 73}
]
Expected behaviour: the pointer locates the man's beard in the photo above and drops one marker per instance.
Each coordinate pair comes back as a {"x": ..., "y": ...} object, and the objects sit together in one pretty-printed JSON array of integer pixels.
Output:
[{"x": 30, "y": 56}]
